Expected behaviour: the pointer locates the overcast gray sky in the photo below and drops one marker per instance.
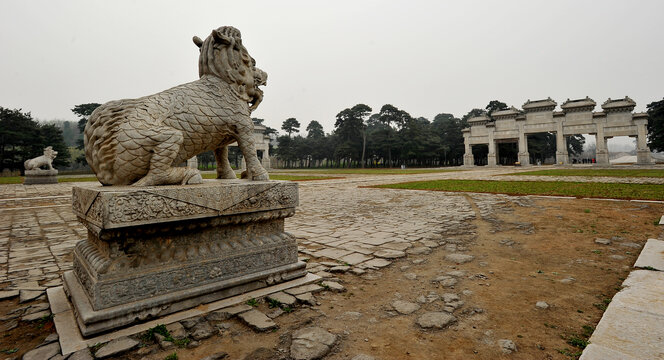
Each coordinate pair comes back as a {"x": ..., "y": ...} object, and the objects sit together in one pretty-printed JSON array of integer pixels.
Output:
[{"x": 425, "y": 57}]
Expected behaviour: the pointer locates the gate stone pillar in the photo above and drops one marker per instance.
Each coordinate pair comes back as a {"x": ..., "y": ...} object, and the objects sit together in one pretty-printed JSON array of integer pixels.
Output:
[
  {"x": 562, "y": 156},
  {"x": 524, "y": 156},
  {"x": 601, "y": 150},
  {"x": 491, "y": 157},
  {"x": 468, "y": 158},
  {"x": 643, "y": 156}
]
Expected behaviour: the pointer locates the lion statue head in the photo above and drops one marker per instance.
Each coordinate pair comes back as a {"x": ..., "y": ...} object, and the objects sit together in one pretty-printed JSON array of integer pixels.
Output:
[
  {"x": 223, "y": 55},
  {"x": 49, "y": 153}
]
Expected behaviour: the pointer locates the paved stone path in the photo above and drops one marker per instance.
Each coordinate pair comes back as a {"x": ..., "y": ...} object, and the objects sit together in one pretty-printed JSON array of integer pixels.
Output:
[{"x": 357, "y": 228}]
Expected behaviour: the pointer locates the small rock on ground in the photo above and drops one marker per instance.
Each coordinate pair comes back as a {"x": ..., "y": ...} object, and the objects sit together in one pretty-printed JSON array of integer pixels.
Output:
[
  {"x": 389, "y": 254},
  {"x": 507, "y": 346},
  {"x": 262, "y": 354},
  {"x": 36, "y": 316},
  {"x": 116, "y": 347},
  {"x": 283, "y": 298},
  {"x": 202, "y": 330},
  {"x": 28, "y": 295},
  {"x": 224, "y": 314},
  {"x": 602, "y": 241},
  {"x": 419, "y": 250},
  {"x": 459, "y": 258},
  {"x": 631, "y": 245},
  {"x": 176, "y": 330},
  {"x": 306, "y": 298},
  {"x": 410, "y": 276},
  {"x": 217, "y": 356},
  {"x": 193, "y": 321},
  {"x": 334, "y": 286},
  {"x": 81, "y": 355},
  {"x": 438, "y": 320},
  {"x": 405, "y": 307},
  {"x": 8, "y": 294},
  {"x": 542, "y": 305},
  {"x": 311, "y": 343},
  {"x": 363, "y": 357},
  {"x": 257, "y": 320},
  {"x": 44, "y": 352}
]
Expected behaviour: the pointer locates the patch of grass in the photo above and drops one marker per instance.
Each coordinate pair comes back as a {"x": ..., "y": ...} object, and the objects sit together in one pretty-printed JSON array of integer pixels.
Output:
[
  {"x": 325, "y": 286},
  {"x": 283, "y": 177},
  {"x": 287, "y": 309},
  {"x": 587, "y": 211},
  {"x": 159, "y": 329},
  {"x": 173, "y": 356},
  {"x": 9, "y": 351},
  {"x": 94, "y": 348},
  {"x": 588, "y": 330},
  {"x": 182, "y": 342},
  {"x": 11, "y": 180},
  {"x": 252, "y": 302},
  {"x": 603, "y": 305},
  {"x": 649, "y": 268},
  {"x": 272, "y": 303},
  {"x": 597, "y": 251},
  {"x": 568, "y": 352},
  {"x": 77, "y": 179},
  {"x": 555, "y": 188},
  {"x": 44, "y": 320},
  {"x": 577, "y": 342},
  {"x": 596, "y": 172}
]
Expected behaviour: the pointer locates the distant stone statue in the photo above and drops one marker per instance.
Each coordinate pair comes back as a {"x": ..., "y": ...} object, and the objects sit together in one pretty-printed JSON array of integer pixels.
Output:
[
  {"x": 43, "y": 160},
  {"x": 138, "y": 141},
  {"x": 34, "y": 174}
]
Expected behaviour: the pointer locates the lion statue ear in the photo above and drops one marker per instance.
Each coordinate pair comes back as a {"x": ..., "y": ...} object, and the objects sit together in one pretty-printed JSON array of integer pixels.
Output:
[{"x": 198, "y": 41}]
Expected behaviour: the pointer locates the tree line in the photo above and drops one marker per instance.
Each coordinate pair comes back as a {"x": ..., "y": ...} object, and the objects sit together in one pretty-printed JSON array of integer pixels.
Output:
[
  {"x": 23, "y": 138},
  {"x": 360, "y": 138},
  {"x": 392, "y": 138}
]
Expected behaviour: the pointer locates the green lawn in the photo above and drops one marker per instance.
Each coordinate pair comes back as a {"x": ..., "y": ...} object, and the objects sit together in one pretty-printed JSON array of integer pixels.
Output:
[
  {"x": 283, "y": 177},
  {"x": 372, "y": 171},
  {"x": 577, "y": 189},
  {"x": 596, "y": 172},
  {"x": 19, "y": 179},
  {"x": 11, "y": 180}
]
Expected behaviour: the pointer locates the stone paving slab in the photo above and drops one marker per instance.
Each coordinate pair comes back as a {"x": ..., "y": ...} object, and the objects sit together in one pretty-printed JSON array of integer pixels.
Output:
[
  {"x": 652, "y": 255},
  {"x": 633, "y": 323}
]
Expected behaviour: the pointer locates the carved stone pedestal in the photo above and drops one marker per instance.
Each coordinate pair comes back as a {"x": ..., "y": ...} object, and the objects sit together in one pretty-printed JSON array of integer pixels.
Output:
[
  {"x": 152, "y": 251},
  {"x": 39, "y": 176}
]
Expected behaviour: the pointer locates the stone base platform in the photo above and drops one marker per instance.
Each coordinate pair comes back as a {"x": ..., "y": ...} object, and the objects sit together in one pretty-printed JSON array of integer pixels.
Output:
[
  {"x": 153, "y": 251},
  {"x": 72, "y": 340},
  {"x": 39, "y": 176}
]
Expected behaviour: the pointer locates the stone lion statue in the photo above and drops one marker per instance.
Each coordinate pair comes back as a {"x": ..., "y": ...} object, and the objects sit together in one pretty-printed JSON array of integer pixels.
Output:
[
  {"x": 44, "y": 160},
  {"x": 138, "y": 141}
]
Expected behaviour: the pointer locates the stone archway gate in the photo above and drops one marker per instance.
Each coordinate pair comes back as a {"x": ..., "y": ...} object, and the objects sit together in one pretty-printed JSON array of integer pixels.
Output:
[{"x": 576, "y": 117}]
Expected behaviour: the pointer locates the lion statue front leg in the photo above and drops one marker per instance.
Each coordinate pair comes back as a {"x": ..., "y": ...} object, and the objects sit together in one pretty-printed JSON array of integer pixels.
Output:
[{"x": 255, "y": 170}]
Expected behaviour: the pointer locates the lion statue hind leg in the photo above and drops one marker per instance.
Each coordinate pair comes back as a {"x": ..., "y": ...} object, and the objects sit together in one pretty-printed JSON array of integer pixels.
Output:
[
  {"x": 161, "y": 171},
  {"x": 224, "y": 169}
]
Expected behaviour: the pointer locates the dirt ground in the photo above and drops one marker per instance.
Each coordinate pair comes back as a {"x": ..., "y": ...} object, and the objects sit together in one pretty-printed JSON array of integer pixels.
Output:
[{"x": 522, "y": 252}]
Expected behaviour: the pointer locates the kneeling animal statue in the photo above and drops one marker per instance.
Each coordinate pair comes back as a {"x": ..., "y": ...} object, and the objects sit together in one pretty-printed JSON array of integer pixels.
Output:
[
  {"x": 138, "y": 141},
  {"x": 44, "y": 160}
]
